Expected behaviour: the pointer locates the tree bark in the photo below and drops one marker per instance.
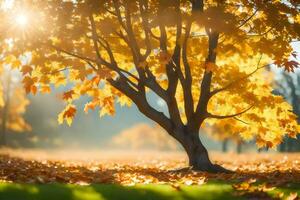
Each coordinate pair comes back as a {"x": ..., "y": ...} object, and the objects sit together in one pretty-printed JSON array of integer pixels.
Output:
[
  {"x": 239, "y": 147},
  {"x": 5, "y": 111},
  {"x": 282, "y": 146},
  {"x": 224, "y": 145},
  {"x": 197, "y": 153},
  {"x": 4, "y": 124},
  {"x": 3, "y": 139}
]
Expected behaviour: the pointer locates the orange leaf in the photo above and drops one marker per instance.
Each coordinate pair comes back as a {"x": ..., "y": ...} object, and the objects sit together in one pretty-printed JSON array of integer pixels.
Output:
[
  {"x": 68, "y": 95},
  {"x": 28, "y": 83},
  {"x": 26, "y": 69},
  {"x": 45, "y": 89},
  {"x": 70, "y": 112},
  {"x": 96, "y": 80},
  {"x": 210, "y": 67},
  {"x": 89, "y": 105}
]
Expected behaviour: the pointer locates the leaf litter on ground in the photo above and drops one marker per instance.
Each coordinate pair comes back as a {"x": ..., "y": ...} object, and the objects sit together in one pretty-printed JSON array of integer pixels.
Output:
[{"x": 255, "y": 174}]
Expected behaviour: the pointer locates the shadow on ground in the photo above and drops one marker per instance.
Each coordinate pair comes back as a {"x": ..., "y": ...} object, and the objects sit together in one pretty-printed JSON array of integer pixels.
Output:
[{"x": 113, "y": 192}]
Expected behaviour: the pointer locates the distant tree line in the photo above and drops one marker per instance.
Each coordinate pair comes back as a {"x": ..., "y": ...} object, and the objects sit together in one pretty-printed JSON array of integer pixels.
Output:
[{"x": 287, "y": 85}]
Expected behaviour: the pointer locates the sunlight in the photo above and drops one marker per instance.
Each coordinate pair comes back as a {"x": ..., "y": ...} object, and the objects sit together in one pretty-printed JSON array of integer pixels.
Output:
[
  {"x": 22, "y": 20},
  {"x": 7, "y": 4}
]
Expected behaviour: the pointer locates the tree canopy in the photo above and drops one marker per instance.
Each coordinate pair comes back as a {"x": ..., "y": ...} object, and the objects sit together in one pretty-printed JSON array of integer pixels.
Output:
[{"x": 207, "y": 60}]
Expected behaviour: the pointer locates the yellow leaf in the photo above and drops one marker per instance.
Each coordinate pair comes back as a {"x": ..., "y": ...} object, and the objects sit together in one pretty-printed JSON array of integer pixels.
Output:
[
  {"x": 67, "y": 114},
  {"x": 124, "y": 101}
]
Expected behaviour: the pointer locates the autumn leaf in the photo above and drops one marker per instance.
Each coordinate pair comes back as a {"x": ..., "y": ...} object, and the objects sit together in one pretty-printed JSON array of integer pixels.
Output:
[
  {"x": 70, "y": 112},
  {"x": 26, "y": 69},
  {"x": 68, "y": 95},
  {"x": 90, "y": 105},
  {"x": 67, "y": 114},
  {"x": 96, "y": 80},
  {"x": 106, "y": 110},
  {"x": 59, "y": 80},
  {"x": 33, "y": 89},
  {"x": 16, "y": 64},
  {"x": 292, "y": 196},
  {"x": 210, "y": 67},
  {"x": 290, "y": 66},
  {"x": 45, "y": 89},
  {"x": 124, "y": 101},
  {"x": 9, "y": 59},
  {"x": 45, "y": 79},
  {"x": 164, "y": 57},
  {"x": 29, "y": 84}
]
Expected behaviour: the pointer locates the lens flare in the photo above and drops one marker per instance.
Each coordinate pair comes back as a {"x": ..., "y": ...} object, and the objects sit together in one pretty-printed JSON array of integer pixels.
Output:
[{"x": 22, "y": 20}]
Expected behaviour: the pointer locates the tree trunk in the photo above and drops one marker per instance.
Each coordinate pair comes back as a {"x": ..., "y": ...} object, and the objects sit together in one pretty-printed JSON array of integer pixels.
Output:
[
  {"x": 197, "y": 154},
  {"x": 239, "y": 147},
  {"x": 4, "y": 124},
  {"x": 3, "y": 139},
  {"x": 282, "y": 146},
  {"x": 224, "y": 145},
  {"x": 289, "y": 145},
  {"x": 5, "y": 111}
]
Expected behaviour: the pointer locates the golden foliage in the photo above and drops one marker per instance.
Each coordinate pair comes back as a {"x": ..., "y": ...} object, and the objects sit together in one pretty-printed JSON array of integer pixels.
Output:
[{"x": 92, "y": 45}]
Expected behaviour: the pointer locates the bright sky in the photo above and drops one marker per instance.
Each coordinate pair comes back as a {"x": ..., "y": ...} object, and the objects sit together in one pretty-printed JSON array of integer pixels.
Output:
[{"x": 7, "y": 4}]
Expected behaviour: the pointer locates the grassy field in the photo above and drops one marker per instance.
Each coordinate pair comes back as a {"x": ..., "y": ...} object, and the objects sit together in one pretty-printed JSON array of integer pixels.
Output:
[
  {"x": 209, "y": 191},
  {"x": 114, "y": 192}
]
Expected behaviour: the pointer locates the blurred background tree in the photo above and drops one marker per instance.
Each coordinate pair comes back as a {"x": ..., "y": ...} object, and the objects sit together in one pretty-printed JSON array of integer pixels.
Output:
[
  {"x": 144, "y": 136},
  {"x": 13, "y": 106},
  {"x": 223, "y": 132},
  {"x": 287, "y": 85}
]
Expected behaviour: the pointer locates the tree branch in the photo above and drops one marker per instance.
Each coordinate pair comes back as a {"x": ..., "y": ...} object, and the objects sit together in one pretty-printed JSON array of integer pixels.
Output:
[
  {"x": 143, "y": 6},
  {"x": 171, "y": 70},
  {"x": 142, "y": 104},
  {"x": 204, "y": 97},
  {"x": 209, "y": 115},
  {"x": 89, "y": 61},
  {"x": 216, "y": 91},
  {"x": 248, "y": 19},
  {"x": 75, "y": 55},
  {"x": 94, "y": 38},
  {"x": 187, "y": 84},
  {"x": 238, "y": 119}
]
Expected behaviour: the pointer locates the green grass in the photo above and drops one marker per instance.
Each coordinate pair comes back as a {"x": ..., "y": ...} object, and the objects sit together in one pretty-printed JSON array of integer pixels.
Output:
[{"x": 212, "y": 190}]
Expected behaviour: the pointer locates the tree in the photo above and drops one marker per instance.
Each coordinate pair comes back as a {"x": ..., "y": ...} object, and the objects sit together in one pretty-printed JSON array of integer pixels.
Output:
[
  {"x": 204, "y": 59},
  {"x": 286, "y": 85},
  {"x": 225, "y": 131},
  {"x": 14, "y": 105}
]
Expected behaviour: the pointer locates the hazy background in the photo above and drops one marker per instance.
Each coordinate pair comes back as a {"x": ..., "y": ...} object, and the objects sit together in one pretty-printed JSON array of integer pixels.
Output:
[{"x": 87, "y": 130}]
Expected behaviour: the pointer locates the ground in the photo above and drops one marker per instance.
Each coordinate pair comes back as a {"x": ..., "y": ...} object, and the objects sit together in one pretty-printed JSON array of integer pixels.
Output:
[{"x": 99, "y": 175}]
